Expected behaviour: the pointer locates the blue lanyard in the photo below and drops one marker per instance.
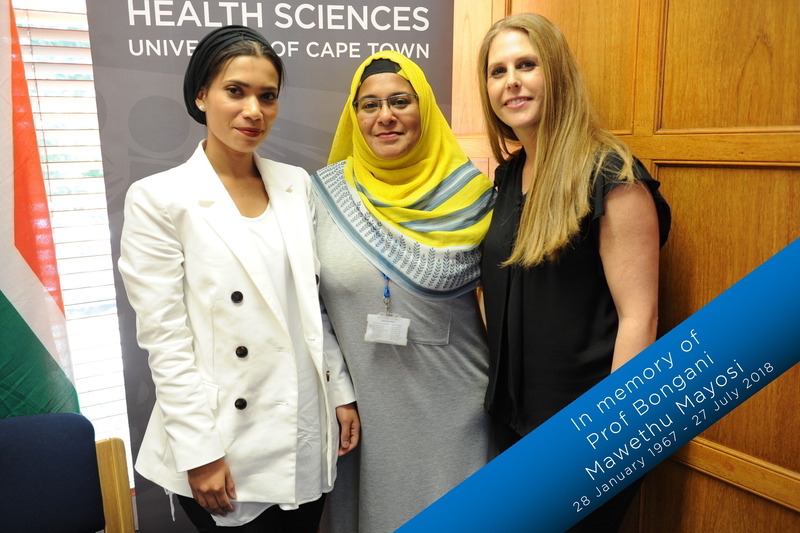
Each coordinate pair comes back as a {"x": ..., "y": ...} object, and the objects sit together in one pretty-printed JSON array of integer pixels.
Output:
[{"x": 387, "y": 296}]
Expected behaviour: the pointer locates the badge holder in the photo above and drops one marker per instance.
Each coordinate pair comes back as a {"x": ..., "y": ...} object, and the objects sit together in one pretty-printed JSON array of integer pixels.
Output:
[{"x": 386, "y": 328}]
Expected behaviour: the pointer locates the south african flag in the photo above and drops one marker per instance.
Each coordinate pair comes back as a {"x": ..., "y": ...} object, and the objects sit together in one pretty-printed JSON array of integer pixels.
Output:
[{"x": 34, "y": 353}]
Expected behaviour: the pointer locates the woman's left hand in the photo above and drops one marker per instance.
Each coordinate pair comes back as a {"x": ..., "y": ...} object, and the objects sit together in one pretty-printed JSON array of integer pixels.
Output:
[{"x": 349, "y": 427}]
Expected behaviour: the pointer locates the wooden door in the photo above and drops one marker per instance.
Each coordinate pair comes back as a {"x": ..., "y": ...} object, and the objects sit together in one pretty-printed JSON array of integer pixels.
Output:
[{"x": 707, "y": 94}]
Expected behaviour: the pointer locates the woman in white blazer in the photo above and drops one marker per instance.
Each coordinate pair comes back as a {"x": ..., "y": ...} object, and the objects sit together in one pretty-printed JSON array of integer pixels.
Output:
[{"x": 219, "y": 261}]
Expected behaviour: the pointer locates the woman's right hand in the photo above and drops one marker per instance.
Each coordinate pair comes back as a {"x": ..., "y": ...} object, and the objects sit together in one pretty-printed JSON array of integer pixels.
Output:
[{"x": 212, "y": 486}]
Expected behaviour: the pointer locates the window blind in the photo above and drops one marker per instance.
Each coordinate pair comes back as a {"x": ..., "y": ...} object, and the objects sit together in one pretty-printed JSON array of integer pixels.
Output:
[{"x": 54, "y": 39}]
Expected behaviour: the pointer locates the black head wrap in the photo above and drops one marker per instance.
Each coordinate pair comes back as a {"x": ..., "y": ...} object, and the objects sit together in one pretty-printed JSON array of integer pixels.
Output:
[
  {"x": 379, "y": 66},
  {"x": 197, "y": 72}
]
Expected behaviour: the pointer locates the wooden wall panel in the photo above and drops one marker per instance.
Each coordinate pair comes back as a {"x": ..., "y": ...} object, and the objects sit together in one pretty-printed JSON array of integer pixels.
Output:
[
  {"x": 681, "y": 500},
  {"x": 603, "y": 37},
  {"x": 766, "y": 147},
  {"x": 472, "y": 19},
  {"x": 763, "y": 479},
  {"x": 648, "y": 81},
  {"x": 726, "y": 222},
  {"x": 732, "y": 65}
]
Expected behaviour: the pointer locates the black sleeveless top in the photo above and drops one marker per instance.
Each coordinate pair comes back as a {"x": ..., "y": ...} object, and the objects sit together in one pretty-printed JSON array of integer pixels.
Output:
[{"x": 551, "y": 328}]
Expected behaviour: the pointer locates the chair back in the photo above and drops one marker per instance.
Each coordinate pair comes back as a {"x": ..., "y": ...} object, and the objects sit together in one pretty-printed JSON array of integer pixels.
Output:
[{"x": 49, "y": 481}]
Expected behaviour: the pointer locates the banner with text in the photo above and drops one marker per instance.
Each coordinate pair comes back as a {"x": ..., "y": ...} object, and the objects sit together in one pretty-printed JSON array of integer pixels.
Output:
[
  {"x": 140, "y": 49},
  {"x": 634, "y": 419}
]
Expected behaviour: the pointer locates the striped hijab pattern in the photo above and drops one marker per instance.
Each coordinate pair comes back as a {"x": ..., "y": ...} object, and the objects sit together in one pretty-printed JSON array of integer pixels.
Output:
[{"x": 429, "y": 271}]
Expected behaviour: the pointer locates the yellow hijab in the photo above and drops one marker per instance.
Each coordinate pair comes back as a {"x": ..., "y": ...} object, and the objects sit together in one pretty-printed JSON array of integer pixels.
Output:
[{"x": 395, "y": 191}]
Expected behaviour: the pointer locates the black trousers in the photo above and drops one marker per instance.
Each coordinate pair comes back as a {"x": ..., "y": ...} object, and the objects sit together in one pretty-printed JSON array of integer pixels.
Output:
[
  {"x": 273, "y": 520},
  {"x": 607, "y": 518}
]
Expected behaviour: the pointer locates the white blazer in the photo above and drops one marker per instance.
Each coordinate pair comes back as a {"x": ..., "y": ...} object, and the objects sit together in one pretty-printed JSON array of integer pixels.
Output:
[{"x": 219, "y": 347}]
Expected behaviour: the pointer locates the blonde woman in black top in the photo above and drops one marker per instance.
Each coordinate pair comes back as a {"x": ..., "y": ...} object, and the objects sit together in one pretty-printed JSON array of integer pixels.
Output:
[{"x": 570, "y": 264}]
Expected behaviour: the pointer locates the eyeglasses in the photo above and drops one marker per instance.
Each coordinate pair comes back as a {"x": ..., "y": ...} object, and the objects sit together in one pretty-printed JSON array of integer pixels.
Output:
[{"x": 397, "y": 103}]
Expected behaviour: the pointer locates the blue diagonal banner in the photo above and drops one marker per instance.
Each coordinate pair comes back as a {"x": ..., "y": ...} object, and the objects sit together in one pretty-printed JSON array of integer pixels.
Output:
[{"x": 634, "y": 419}]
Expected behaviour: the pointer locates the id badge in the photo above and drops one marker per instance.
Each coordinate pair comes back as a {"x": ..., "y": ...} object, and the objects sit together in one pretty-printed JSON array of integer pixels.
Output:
[{"x": 387, "y": 329}]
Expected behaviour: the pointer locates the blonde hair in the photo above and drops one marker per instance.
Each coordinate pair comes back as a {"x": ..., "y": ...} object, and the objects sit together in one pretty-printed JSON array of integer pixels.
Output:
[{"x": 570, "y": 144}]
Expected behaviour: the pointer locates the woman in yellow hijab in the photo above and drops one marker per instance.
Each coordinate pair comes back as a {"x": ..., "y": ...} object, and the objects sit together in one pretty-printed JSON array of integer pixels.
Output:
[{"x": 401, "y": 214}]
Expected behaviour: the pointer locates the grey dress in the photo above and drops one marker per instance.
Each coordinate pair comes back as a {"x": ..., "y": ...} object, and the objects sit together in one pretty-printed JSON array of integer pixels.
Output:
[{"x": 424, "y": 429}]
